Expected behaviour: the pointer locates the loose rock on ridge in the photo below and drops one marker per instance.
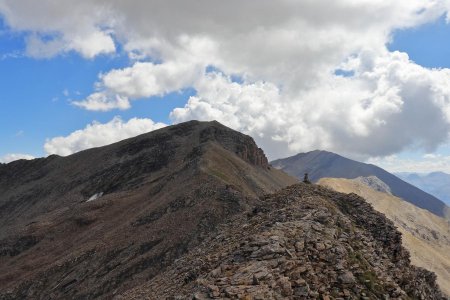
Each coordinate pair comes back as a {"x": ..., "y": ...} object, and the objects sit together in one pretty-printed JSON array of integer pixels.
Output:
[{"x": 304, "y": 242}]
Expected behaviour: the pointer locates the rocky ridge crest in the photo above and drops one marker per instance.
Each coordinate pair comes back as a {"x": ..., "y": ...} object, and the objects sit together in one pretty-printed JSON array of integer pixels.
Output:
[{"x": 304, "y": 242}]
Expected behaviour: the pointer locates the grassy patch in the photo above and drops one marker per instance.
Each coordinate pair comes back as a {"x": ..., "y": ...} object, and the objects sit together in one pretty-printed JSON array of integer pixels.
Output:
[
  {"x": 368, "y": 277},
  {"x": 219, "y": 174}
]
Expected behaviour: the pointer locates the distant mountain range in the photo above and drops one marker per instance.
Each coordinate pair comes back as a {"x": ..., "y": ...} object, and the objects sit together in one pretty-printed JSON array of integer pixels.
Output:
[
  {"x": 436, "y": 183},
  {"x": 322, "y": 164}
]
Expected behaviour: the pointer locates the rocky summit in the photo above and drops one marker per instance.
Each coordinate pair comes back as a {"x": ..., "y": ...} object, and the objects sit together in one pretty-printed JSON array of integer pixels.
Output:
[{"x": 191, "y": 211}]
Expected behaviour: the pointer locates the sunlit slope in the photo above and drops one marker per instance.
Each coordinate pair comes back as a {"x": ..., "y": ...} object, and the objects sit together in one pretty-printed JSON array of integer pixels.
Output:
[{"x": 425, "y": 235}]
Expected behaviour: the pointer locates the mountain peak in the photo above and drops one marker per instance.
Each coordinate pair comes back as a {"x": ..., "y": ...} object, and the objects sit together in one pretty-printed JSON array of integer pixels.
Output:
[
  {"x": 142, "y": 202},
  {"x": 198, "y": 134},
  {"x": 322, "y": 164},
  {"x": 438, "y": 173}
]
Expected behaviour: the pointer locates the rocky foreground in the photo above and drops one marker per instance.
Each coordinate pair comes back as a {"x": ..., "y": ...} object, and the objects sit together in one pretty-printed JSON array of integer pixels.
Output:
[
  {"x": 304, "y": 242},
  {"x": 425, "y": 235}
]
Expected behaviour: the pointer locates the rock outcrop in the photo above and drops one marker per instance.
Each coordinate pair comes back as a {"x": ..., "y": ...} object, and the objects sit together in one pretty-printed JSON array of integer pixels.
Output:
[
  {"x": 374, "y": 183},
  {"x": 305, "y": 242},
  {"x": 242, "y": 145},
  {"x": 425, "y": 235}
]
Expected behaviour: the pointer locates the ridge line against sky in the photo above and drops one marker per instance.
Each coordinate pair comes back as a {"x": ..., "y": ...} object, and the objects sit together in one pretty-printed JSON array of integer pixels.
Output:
[{"x": 366, "y": 79}]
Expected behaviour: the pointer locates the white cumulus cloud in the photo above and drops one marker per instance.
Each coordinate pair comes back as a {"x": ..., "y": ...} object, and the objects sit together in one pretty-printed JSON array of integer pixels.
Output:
[
  {"x": 102, "y": 101},
  {"x": 99, "y": 134},
  {"x": 427, "y": 164},
  {"x": 142, "y": 80},
  {"x": 60, "y": 26},
  {"x": 390, "y": 104},
  {"x": 284, "y": 55},
  {"x": 14, "y": 156}
]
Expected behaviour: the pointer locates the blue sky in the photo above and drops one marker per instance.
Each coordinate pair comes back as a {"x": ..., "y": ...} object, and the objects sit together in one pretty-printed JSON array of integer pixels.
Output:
[
  {"x": 65, "y": 80},
  {"x": 428, "y": 45},
  {"x": 36, "y": 95}
]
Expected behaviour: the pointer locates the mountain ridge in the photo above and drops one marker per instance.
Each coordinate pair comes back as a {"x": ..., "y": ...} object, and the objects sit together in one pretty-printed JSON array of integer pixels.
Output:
[
  {"x": 425, "y": 235},
  {"x": 303, "y": 242},
  {"x": 136, "y": 217},
  {"x": 320, "y": 164},
  {"x": 162, "y": 191}
]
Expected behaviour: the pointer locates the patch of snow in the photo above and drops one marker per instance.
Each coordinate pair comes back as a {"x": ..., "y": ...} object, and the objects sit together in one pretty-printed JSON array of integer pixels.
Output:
[{"x": 95, "y": 197}]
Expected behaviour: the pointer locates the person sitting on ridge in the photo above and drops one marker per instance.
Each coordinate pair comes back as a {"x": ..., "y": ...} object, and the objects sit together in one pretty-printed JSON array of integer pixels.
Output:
[{"x": 306, "y": 179}]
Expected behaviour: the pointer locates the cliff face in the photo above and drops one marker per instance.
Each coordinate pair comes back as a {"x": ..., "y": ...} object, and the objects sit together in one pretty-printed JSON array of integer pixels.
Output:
[
  {"x": 101, "y": 221},
  {"x": 303, "y": 242},
  {"x": 242, "y": 145}
]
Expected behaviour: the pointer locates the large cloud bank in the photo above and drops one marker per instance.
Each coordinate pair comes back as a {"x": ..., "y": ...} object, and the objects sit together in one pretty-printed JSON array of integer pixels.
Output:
[{"x": 266, "y": 68}]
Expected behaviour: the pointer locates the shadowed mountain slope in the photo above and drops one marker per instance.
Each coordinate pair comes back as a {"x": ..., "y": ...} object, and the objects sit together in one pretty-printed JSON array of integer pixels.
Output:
[
  {"x": 321, "y": 164},
  {"x": 100, "y": 221},
  {"x": 425, "y": 235}
]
